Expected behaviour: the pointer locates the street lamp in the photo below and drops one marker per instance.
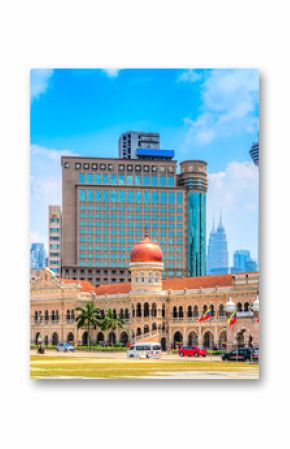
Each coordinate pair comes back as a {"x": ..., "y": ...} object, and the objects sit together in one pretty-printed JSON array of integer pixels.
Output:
[{"x": 230, "y": 307}]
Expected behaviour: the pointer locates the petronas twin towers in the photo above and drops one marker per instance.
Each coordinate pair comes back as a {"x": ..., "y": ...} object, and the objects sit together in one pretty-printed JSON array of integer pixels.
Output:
[{"x": 217, "y": 255}]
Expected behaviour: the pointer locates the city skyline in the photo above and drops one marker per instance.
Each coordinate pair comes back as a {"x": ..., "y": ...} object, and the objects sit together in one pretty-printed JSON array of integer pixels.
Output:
[{"x": 214, "y": 117}]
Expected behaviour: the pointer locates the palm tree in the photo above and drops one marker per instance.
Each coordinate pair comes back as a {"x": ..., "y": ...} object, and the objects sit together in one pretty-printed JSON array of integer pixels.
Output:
[
  {"x": 111, "y": 322},
  {"x": 89, "y": 316}
]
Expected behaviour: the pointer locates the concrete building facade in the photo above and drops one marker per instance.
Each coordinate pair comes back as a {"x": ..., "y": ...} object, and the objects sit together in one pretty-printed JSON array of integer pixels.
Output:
[
  {"x": 131, "y": 141},
  {"x": 54, "y": 239},
  {"x": 108, "y": 203}
]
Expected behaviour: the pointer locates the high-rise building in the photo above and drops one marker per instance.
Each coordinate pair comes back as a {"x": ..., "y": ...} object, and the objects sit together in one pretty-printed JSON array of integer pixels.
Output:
[
  {"x": 217, "y": 258},
  {"x": 37, "y": 256},
  {"x": 54, "y": 239},
  {"x": 242, "y": 262},
  {"x": 254, "y": 153},
  {"x": 109, "y": 203},
  {"x": 131, "y": 141}
]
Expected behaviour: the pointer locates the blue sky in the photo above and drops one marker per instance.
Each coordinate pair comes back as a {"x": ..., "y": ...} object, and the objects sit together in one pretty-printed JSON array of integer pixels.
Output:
[{"x": 201, "y": 114}]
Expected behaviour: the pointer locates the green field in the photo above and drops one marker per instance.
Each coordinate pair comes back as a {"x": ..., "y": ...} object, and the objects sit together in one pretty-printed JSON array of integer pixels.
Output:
[{"x": 88, "y": 367}]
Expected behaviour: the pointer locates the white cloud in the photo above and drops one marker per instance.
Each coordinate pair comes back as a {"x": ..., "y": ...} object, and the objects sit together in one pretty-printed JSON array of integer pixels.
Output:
[
  {"x": 39, "y": 82},
  {"x": 229, "y": 106},
  {"x": 45, "y": 187},
  {"x": 235, "y": 192},
  {"x": 111, "y": 73},
  {"x": 190, "y": 75}
]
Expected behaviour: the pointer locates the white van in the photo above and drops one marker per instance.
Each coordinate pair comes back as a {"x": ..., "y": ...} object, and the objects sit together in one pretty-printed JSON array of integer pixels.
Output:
[{"x": 145, "y": 350}]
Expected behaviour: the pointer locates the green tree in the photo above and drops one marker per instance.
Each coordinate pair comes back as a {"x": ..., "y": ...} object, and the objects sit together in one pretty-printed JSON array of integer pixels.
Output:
[
  {"x": 110, "y": 322},
  {"x": 89, "y": 317}
]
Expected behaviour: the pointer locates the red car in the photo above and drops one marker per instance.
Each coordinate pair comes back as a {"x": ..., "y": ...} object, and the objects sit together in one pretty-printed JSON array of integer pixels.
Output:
[{"x": 192, "y": 351}]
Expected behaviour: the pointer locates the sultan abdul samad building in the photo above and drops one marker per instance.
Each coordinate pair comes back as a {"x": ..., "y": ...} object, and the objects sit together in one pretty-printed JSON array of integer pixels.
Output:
[{"x": 156, "y": 309}]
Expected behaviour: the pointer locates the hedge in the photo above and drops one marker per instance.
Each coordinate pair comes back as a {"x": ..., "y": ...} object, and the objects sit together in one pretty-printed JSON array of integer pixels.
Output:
[{"x": 93, "y": 348}]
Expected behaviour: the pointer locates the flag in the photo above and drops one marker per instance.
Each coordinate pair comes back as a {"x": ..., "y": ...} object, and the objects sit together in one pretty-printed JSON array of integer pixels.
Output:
[
  {"x": 207, "y": 314},
  {"x": 232, "y": 319}
]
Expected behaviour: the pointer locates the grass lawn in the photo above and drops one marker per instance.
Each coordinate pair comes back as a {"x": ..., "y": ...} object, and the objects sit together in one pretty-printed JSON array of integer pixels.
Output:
[{"x": 67, "y": 366}]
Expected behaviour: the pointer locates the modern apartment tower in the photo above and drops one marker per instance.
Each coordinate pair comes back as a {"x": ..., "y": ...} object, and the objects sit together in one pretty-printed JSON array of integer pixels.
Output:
[
  {"x": 131, "y": 141},
  {"x": 108, "y": 204},
  {"x": 54, "y": 239},
  {"x": 217, "y": 258}
]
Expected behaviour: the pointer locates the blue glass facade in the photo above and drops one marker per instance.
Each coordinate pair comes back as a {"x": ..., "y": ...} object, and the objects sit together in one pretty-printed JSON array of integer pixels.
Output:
[
  {"x": 104, "y": 219},
  {"x": 196, "y": 234}
]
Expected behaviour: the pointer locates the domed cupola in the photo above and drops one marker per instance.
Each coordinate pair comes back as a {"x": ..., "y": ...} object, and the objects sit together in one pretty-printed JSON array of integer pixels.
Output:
[{"x": 146, "y": 266}]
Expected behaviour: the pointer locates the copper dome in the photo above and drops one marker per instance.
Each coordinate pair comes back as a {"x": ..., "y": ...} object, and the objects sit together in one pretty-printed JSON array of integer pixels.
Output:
[{"x": 146, "y": 251}]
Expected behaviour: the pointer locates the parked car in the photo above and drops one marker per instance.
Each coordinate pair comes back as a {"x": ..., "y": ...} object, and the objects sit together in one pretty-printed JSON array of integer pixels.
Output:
[
  {"x": 145, "y": 350},
  {"x": 255, "y": 355},
  {"x": 192, "y": 351},
  {"x": 240, "y": 354},
  {"x": 65, "y": 347}
]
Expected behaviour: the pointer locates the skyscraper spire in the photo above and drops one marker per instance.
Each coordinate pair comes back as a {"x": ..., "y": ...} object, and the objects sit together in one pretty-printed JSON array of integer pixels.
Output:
[
  {"x": 220, "y": 225},
  {"x": 217, "y": 260}
]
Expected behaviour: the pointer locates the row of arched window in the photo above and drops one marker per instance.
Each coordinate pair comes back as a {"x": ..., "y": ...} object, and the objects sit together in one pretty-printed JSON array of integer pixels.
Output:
[
  {"x": 144, "y": 310},
  {"x": 40, "y": 316},
  {"x": 147, "y": 329},
  {"x": 194, "y": 311},
  {"x": 150, "y": 278}
]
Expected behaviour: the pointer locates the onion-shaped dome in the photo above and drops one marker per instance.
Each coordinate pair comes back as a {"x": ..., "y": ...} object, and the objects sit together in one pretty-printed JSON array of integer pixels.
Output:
[
  {"x": 256, "y": 305},
  {"x": 230, "y": 306},
  {"x": 146, "y": 251}
]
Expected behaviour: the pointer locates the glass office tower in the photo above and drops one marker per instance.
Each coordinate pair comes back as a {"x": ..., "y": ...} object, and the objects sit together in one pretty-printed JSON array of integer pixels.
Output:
[{"x": 193, "y": 178}]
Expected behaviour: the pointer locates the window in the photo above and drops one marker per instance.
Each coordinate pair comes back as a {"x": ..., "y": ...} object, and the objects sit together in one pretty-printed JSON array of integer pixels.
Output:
[
  {"x": 137, "y": 180},
  {"x": 110, "y": 167},
  {"x": 162, "y": 181},
  {"x": 121, "y": 167},
  {"x": 147, "y": 197},
  {"x": 82, "y": 195},
  {"x": 138, "y": 196},
  {"x": 77, "y": 165},
  {"x": 171, "y": 197},
  {"x": 113, "y": 196},
  {"x": 89, "y": 196},
  {"x": 98, "y": 178},
  {"x": 130, "y": 196},
  {"x": 179, "y": 197},
  {"x": 94, "y": 166},
  {"x": 146, "y": 168},
  {"x": 90, "y": 178},
  {"x": 154, "y": 180},
  {"x": 146, "y": 180},
  {"x": 66, "y": 165},
  {"x": 105, "y": 196},
  {"x": 82, "y": 178},
  {"x": 113, "y": 180},
  {"x": 163, "y": 198},
  {"x": 103, "y": 166},
  {"x": 155, "y": 197}
]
